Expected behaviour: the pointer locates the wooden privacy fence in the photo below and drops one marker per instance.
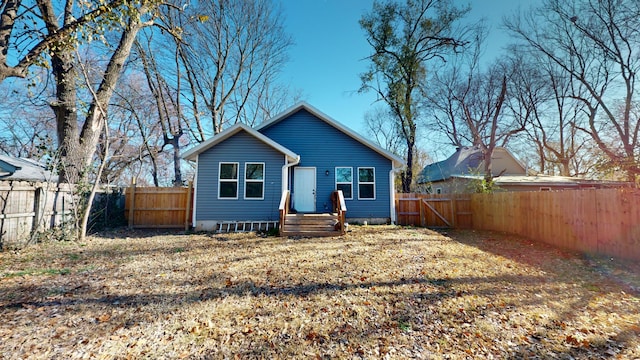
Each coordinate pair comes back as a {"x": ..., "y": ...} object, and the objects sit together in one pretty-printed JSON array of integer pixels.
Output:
[
  {"x": 604, "y": 221},
  {"x": 435, "y": 211},
  {"x": 155, "y": 207},
  {"x": 27, "y": 208}
]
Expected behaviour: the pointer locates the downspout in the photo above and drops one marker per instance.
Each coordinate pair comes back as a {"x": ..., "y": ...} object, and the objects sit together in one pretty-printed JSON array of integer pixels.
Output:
[
  {"x": 285, "y": 171},
  {"x": 392, "y": 191},
  {"x": 195, "y": 195}
]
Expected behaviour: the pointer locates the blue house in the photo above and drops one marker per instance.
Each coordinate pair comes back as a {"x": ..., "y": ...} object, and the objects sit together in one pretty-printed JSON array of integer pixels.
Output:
[{"x": 296, "y": 162}]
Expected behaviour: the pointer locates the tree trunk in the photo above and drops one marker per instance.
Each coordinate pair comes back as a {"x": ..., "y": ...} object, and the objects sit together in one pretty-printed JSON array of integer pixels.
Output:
[
  {"x": 78, "y": 149},
  {"x": 177, "y": 181},
  {"x": 407, "y": 177},
  {"x": 64, "y": 108},
  {"x": 487, "y": 154}
]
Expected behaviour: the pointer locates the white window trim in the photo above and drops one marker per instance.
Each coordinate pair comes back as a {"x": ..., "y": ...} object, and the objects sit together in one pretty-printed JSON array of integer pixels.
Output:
[
  {"x": 264, "y": 170},
  {"x": 228, "y": 180},
  {"x": 373, "y": 183},
  {"x": 350, "y": 183}
]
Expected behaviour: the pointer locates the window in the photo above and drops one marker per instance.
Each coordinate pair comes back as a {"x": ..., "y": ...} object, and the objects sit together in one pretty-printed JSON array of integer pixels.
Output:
[
  {"x": 254, "y": 181},
  {"x": 344, "y": 181},
  {"x": 438, "y": 190},
  {"x": 228, "y": 181},
  {"x": 366, "y": 183}
]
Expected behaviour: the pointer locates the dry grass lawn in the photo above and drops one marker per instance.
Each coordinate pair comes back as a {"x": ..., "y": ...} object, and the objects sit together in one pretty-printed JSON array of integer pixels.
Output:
[{"x": 379, "y": 292}]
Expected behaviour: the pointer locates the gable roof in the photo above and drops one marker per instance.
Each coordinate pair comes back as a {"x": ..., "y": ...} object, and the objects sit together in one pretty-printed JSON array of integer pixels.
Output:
[
  {"x": 13, "y": 168},
  {"x": 193, "y": 153},
  {"x": 464, "y": 161},
  {"x": 397, "y": 161}
]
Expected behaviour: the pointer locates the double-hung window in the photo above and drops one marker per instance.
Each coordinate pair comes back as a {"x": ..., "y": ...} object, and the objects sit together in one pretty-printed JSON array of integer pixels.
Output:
[
  {"x": 254, "y": 181},
  {"x": 344, "y": 181},
  {"x": 228, "y": 180},
  {"x": 366, "y": 183}
]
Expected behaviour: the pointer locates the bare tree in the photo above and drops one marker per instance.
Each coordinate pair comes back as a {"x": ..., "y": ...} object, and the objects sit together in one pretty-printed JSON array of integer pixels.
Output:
[
  {"x": 235, "y": 51},
  {"x": 381, "y": 127},
  {"x": 544, "y": 93},
  {"x": 481, "y": 101},
  {"x": 86, "y": 204},
  {"x": 78, "y": 138},
  {"x": 167, "y": 106},
  {"x": 595, "y": 44},
  {"x": 26, "y": 127},
  {"x": 404, "y": 38},
  {"x": 81, "y": 96},
  {"x": 470, "y": 105},
  {"x": 136, "y": 141},
  {"x": 211, "y": 60},
  {"x": 444, "y": 109}
]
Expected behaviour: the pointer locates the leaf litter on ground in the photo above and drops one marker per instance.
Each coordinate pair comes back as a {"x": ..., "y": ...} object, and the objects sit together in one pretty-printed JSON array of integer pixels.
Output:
[{"x": 378, "y": 292}]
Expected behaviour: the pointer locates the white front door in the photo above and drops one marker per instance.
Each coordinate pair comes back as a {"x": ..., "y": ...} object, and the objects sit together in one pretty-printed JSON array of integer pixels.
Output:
[{"x": 304, "y": 189}]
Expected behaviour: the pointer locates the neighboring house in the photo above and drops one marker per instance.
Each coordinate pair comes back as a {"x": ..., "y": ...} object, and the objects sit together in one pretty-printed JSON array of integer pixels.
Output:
[
  {"x": 460, "y": 171},
  {"x": 19, "y": 169},
  {"x": 242, "y": 172}
]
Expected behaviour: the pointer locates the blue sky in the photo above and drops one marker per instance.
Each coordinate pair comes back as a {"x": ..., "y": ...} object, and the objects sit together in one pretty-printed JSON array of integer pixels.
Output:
[{"x": 330, "y": 49}]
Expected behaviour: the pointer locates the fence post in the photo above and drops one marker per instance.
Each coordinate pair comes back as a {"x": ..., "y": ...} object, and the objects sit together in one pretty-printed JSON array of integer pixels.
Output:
[
  {"x": 132, "y": 202},
  {"x": 37, "y": 209},
  {"x": 188, "y": 210}
]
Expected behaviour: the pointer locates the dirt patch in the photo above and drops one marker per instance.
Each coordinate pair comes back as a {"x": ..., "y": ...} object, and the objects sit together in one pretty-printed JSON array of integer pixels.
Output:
[{"x": 379, "y": 292}]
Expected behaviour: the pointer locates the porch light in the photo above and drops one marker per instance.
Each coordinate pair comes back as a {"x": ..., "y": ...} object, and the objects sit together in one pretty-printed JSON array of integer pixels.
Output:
[{"x": 326, "y": 172}]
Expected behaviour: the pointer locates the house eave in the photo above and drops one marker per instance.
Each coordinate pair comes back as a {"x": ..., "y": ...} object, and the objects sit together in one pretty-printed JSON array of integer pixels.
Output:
[{"x": 21, "y": 169}]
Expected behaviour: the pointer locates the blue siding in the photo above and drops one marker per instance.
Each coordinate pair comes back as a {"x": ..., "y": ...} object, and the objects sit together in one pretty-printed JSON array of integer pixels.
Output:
[
  {"x": 322, "y": 146},
  {"x": 241, "y": 148}
]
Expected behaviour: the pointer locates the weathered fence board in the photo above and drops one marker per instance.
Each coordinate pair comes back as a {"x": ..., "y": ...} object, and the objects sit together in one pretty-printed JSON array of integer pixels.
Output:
[
  {"x": 27, "y": 208},
  {"x": 603, "y": 221}
]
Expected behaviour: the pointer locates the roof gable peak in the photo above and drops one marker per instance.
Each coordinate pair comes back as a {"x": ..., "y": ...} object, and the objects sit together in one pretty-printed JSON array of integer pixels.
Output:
[
  {"x": 193, "y": 153},
  {"x": 303, "y": 105}
]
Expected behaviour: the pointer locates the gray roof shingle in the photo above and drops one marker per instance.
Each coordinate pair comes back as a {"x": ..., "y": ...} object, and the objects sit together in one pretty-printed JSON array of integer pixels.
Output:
[
  {"x": 13, "y": 168},
  {"x": 460, "y": 162}
]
